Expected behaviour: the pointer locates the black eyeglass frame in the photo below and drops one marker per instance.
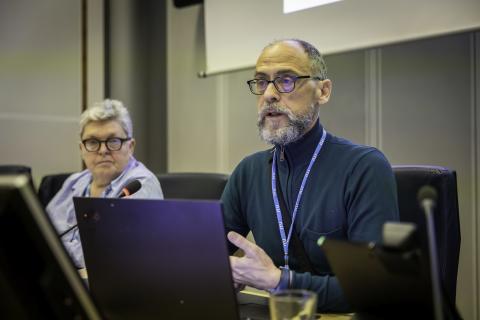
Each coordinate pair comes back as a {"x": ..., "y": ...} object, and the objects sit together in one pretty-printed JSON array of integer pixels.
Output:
[
  {"x": 122, "y": 141},
  {"x": 295, "y": 78}
]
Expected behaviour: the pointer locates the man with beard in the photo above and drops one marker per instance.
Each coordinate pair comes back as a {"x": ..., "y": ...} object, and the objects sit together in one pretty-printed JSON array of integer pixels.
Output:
[{"x": 320, "y": 184}]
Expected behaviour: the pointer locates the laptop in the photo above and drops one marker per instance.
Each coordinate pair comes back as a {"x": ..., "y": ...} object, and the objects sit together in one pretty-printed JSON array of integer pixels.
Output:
[
  {"x": 37, "y": 278},
  {"x": 162, "y": 259},
  {"x": 379, "y": 282}
]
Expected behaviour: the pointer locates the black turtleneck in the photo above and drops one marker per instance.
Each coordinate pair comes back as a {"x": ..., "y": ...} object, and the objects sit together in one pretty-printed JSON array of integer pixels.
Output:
[{"x": 292, "y": 162}]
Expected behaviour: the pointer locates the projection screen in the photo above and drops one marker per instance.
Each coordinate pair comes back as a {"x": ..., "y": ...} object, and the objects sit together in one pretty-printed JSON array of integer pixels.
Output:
[{"x": 236, "y": 30}]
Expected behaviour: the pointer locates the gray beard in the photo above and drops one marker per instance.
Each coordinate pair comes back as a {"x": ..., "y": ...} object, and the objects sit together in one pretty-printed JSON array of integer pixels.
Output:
[{"x": 298, "y": 124}]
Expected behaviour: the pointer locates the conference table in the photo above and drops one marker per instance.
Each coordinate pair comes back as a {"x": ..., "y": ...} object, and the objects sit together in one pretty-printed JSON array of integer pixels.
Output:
[{"x": 260, "y": 297}]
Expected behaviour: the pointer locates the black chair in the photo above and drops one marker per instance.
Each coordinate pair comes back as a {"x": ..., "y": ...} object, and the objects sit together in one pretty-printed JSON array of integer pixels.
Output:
[
  {"x": 17, "y": 169},
  {"x": 50, "y": 185},
  {"x": 174, "y": 185},
  {"x": 447, "y": 223},
  {"x": 184, "y": 185}
]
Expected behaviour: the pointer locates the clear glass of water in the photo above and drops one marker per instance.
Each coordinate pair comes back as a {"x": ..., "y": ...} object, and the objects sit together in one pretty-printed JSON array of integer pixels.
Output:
[{"x": 293, "y": 304}]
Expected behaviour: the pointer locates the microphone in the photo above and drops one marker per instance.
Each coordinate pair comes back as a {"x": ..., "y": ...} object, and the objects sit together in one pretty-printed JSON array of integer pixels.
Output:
[
  {"x": 427, "y": 198},
  {"x": 128, "y": 190}
]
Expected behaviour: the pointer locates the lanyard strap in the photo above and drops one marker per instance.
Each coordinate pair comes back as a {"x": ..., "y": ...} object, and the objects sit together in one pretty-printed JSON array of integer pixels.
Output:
[{"x": 281, "y": 227}]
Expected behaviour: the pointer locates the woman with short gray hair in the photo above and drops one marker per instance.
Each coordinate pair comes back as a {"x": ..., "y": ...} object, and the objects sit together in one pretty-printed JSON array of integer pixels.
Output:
[{"x": 106, "y": 147}]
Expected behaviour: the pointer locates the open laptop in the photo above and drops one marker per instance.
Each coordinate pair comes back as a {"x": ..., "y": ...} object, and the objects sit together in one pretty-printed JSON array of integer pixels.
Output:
[
  {"x": 381, "y": 283},
  {"x": 162, "y": 259},
  {"x": 37, "y": 278}
]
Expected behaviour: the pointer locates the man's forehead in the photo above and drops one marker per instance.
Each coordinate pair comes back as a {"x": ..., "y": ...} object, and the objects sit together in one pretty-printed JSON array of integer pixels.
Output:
[{"x": 283, "y": 56}]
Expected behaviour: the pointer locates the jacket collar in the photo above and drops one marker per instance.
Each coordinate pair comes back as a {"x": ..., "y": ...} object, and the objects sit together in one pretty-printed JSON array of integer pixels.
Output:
[{"x": 301, "y": 150}]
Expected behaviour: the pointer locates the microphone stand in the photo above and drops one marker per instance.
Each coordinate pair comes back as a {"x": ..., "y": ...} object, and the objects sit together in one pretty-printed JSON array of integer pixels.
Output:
[{"x": 428, "y": 205}]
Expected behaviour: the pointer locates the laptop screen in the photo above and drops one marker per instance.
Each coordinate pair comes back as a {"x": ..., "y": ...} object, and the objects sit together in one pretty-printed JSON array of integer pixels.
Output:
[
  {"x": 37, "y": 278},
  {"x": 380, "y": 282},
  {"x": 157, "y": 258}
]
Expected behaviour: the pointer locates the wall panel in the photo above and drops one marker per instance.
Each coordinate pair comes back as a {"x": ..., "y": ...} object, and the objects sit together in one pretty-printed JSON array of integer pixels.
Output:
[
  {"x": 40, "y": 84},
  {"x": 192, "y": 110},
  {"x": 344, "y": 115},
  {"x": 427, "y": 111}
]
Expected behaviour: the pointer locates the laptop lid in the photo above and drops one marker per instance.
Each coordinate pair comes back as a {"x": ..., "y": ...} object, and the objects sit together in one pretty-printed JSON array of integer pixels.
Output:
[
  {"x": 37, "y": 278},
  {"x": 381, "y": 282},
  {"x": 157, "y": 258}
]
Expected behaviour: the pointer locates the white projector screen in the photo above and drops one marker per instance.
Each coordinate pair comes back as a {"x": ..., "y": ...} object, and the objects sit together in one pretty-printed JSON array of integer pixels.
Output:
[{"x": 237, "y": 30}]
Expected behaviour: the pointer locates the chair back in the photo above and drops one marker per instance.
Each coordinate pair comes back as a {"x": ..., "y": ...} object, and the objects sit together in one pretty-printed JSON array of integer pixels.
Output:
[
  {"x": 180, "y": 185},
  {"x": 15, "y": 169},
  {"x": 6, "y": 169},
  {"x": 183, "y": 185},
  {"x": 50, "y": 185},
  {"x": 447, "y": 223}
]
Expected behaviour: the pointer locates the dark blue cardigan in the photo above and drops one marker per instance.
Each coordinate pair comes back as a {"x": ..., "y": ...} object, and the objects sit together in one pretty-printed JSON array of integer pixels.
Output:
[{"x": 349, "y": 194}]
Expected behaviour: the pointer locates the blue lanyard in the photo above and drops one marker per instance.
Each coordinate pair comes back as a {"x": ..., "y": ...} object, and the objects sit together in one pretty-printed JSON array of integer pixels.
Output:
[{"x": 281, "y": 227}]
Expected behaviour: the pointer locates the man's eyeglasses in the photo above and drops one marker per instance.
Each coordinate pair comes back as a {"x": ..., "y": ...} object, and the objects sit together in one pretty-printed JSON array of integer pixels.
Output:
[
  {"x": 283, "y": 84},
  {"x": 112, "y": 144}
]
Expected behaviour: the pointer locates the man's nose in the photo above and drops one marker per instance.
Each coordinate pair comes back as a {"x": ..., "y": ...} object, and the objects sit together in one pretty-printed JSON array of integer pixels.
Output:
[{"x": 271, "y": 93}]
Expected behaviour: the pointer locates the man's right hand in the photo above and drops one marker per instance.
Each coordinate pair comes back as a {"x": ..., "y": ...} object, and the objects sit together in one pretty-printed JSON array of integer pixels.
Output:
[{"x": 255, "y": 268}]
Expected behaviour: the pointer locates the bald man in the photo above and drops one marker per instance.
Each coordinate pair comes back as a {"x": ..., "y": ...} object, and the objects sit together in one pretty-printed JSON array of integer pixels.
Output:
[{"x": 309, "y": 184}]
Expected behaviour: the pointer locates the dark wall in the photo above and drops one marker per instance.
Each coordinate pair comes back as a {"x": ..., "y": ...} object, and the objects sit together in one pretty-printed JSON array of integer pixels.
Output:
[{"x": 136, "y": 72}]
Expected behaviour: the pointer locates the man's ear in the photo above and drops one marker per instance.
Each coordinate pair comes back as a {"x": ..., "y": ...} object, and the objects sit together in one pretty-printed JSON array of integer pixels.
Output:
[
  {"x": 132, "y": 146},
  {"x": 324, "y": 89}
]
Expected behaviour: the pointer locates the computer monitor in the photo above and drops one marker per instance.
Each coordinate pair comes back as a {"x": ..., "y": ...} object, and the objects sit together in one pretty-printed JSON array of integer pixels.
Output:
[{"x": 37, "y": 278}]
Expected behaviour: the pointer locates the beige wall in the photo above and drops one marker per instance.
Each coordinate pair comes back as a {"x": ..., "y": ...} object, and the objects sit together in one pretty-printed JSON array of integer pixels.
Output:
[
  {"x": 204, "y": 115},
  {"x": 416, "y": 101},
  {"x": 41, "y": 81}
]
